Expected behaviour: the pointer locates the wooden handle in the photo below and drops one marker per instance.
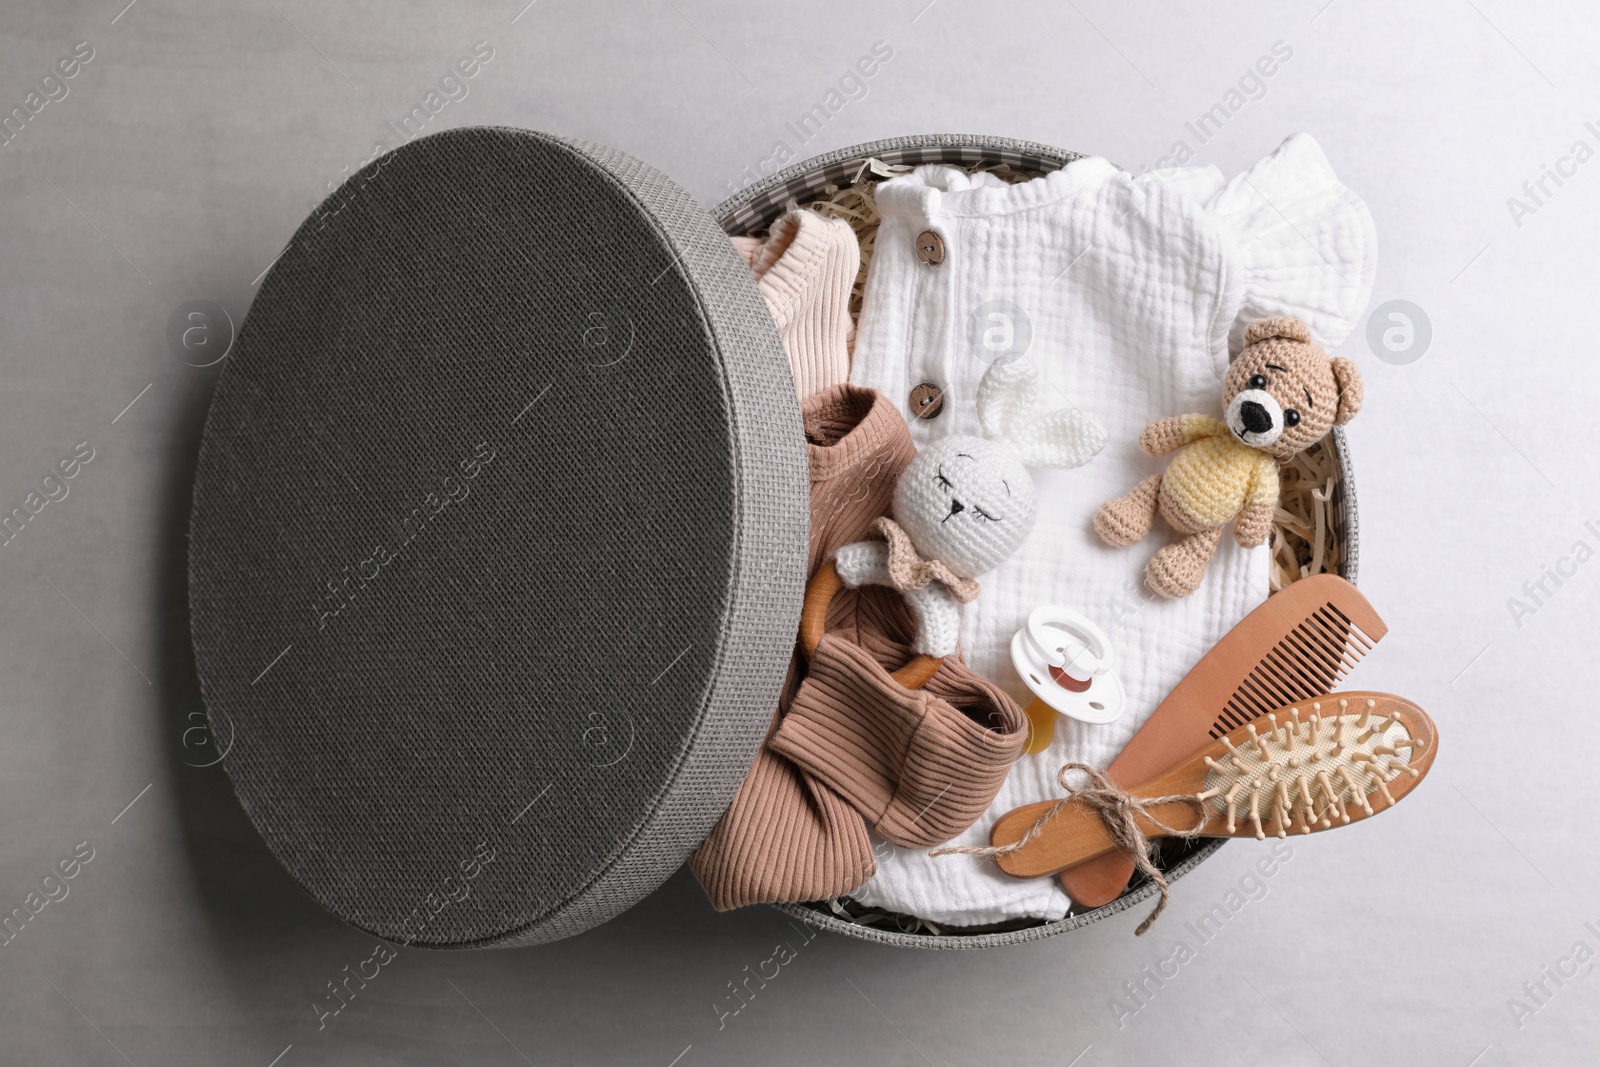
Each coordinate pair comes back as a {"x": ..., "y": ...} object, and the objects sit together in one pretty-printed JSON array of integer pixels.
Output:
[
  {"x": 1076, "y": 834},
  {"x": 1307, "y": 626},
  {"x": 1347, "y": 742},
  {"x": 824, "y": 585}
]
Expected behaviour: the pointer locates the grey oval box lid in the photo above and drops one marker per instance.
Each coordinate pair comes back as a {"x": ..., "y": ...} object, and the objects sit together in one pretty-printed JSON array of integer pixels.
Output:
[{"x": 498, "y": 539}]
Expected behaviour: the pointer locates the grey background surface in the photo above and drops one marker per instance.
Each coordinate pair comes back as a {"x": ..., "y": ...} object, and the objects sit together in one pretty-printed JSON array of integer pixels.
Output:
[{"x": 200, "y": 134}]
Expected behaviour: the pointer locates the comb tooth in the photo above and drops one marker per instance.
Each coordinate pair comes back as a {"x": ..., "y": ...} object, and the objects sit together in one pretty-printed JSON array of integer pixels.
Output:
[
  {"x": 1331, "y": 612},
  {"x": 1334, "y": 639},
  {"x": 1255, "y": 813},
  {"x": 1304, "y": 662},
  {"x": 1253, "y": 704},
  {"x": 1308, "y": 812},
  {"x": 1336, "y": 632},
  {"x": 1277, "y": 671},
  {"x": 1323, "y": 661},
  {"x": 1348, "y": 624},
  {"x": 1353, "y": 646},
  {"x": 1366, "y": 715},
  {"x": 1336, "y": 666},
  {"x": 1349, "y": 627},
  {"x": 1249, "y": 702},
  {"x": 1324, "y": 640},
  {"x": 1278, "y": 681},
  {"x": 1269, "y": 690},
  {"x": 1312, "y": 668}
]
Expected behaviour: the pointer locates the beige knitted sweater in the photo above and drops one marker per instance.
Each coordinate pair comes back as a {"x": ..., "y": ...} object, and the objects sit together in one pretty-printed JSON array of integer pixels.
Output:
[
  {"x": 805, "y": 269},
  {"x": 849, "y": 748}
]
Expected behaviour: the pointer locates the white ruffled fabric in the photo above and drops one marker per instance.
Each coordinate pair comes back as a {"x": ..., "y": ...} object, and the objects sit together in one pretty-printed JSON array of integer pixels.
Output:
[{"x": 1136, "y": 290}]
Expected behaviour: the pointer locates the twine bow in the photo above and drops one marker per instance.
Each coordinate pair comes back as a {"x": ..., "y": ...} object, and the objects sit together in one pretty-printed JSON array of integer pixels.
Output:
[{"x": 1120, "y": 811}]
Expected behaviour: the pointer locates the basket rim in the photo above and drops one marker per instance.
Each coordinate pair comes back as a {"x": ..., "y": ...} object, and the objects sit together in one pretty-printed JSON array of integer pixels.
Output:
[{"x": 756, "y": 205}]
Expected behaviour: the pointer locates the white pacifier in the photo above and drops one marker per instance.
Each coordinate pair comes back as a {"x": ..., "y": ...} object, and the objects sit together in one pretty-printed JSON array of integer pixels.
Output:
[{"x": 1070, "y": 667}]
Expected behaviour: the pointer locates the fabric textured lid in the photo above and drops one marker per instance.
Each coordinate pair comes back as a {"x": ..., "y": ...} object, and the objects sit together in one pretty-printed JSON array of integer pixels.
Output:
[{"x": 498, "y": 540}]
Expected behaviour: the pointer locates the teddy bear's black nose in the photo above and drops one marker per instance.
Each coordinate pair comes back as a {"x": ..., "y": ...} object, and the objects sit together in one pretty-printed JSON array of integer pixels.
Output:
[
  {"x": 1256, "y": 419},
  {"x": 956, "y": 508}
]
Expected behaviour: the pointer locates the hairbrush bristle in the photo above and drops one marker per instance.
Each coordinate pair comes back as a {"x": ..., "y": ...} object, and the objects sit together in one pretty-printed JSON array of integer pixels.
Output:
[{"x": 1307, "y": 772}]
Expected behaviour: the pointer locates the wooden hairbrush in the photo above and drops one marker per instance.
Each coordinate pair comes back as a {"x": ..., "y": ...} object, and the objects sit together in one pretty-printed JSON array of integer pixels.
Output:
[
  {"x": 1315, "y": 766},
  {"x": 1294, "y": 647}
]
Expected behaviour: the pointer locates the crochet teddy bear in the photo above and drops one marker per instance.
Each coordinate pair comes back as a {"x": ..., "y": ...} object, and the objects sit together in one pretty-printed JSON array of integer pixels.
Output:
[
  {"x": 965, "y": 503},
  {"x": 1282, "y": 395}
]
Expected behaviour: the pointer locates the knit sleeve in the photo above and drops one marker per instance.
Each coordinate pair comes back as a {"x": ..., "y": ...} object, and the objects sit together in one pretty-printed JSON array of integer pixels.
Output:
[{"x": 1305, "y": 242}]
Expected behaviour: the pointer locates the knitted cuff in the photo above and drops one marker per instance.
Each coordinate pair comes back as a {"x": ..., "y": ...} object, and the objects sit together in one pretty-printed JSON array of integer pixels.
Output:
[
  {"x": 786, "y": 837},
  {"x": 917, "y": 766},
  {"x": 962, "y": 752}
]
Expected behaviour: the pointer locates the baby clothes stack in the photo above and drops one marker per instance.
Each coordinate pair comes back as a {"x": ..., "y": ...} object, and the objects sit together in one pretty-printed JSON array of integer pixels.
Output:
[
  {"x": 1128, "y": 293},
  {"x": 850, "y": 748}
]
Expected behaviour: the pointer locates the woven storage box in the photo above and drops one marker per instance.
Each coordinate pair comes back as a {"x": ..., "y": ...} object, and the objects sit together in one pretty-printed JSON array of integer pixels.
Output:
[{"x": 498, "y": 536}]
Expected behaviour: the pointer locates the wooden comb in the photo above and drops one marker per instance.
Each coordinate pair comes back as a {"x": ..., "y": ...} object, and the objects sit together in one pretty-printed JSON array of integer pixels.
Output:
[
  {"x": 1337, "y": 761},
  {"x": 1294, "y": 647}
]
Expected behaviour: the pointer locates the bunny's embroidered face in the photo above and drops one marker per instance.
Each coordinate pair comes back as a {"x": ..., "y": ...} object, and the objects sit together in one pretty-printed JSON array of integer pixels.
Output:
[{"x": 967, "y": 501}]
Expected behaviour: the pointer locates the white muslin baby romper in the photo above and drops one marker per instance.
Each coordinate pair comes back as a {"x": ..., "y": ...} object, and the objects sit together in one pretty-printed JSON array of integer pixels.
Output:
[{"x": 1128, "y": 293}]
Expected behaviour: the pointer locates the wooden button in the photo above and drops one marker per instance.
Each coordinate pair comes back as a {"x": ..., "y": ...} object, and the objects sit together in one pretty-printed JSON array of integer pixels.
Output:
[
  {"x": 927, "y": 400},
  {"x": 930, "y": 248}
]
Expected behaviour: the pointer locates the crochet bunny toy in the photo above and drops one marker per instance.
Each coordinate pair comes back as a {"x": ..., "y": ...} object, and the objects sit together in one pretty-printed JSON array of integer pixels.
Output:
[
  {"x": 964, "y": 504},
  {"x": 1281, "y": 396}
]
